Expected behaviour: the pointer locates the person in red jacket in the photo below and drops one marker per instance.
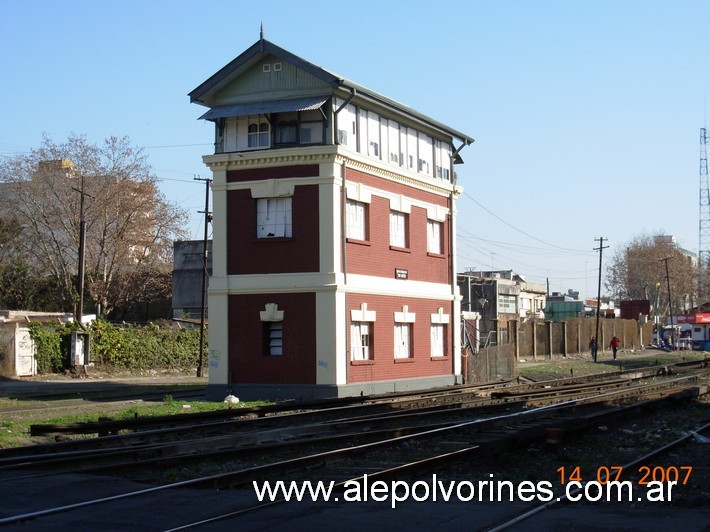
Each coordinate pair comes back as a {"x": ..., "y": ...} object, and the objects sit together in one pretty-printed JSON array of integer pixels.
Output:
[{"x": 614, "y": 345}]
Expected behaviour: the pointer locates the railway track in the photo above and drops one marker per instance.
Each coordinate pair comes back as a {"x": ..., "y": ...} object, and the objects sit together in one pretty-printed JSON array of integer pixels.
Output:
[
  {"x": 402, "y": 414},
  {"x": 404, "y": 400},
  {"x": 657, "y": 465},
  {"x": 415, "y": 449}
]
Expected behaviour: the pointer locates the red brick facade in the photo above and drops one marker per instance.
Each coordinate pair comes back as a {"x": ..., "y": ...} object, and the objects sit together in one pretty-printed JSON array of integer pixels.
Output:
[
  {"x": 247, "y": 254},
  {"x": 376, "y": 257},
  {"x": 383, "y": 365},
  {"x": 275, "y": 172},
  {"x": 248, "y": 360}
]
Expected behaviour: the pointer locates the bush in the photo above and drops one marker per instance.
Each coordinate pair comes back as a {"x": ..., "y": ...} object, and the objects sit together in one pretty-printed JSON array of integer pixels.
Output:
[
  {"x": 124, "y": 347},
  {"x": 52, "y": 344}
]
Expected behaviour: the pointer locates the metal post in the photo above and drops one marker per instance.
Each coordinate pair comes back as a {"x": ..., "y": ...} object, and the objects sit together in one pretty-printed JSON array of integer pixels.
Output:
[
  {"x": 208, "y": 218},
  {"x": 670, "y": 304},
  {"x": 599, "y": 292},
  {"x": 656, "y": 320},
  {"x": 82, "y": 252}
]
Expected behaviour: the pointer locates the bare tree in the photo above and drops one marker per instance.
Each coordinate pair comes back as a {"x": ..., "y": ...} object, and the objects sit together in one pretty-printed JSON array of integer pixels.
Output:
[
  {"x": 637, "y": 270},
  {"x": 130, "y": 226}
]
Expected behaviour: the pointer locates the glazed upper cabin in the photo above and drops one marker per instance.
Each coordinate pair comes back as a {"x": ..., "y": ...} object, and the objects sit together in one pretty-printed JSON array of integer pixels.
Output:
[{"x": 268, "y": 98}]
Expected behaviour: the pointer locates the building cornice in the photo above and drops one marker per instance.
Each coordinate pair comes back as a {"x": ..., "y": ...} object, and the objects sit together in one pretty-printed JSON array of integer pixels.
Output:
[{"x": 328, "y": 155}]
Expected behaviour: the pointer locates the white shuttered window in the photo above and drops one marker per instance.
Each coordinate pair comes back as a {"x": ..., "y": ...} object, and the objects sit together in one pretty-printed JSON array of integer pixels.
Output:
[
  {"x": 434, "y": 230},
  {"x": 355, "y": 225},
  {"x": 437, "y": 340},
  {"x": 402, "y": 340},
  {"x": 360, "y": 340},
  {"x": 398, "y": 229},
  {"x": 273, "y": 217}
]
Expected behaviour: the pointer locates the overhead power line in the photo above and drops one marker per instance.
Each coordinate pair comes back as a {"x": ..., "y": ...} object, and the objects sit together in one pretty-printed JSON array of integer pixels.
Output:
[
  {"x": 516, "y": 228},
  {"x": 176, "y": 146}
]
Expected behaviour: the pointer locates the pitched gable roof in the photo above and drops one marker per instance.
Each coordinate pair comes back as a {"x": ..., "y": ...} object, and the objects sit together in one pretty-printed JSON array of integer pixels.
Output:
[
  {"x": 205, "y": 92},
  {"x": 249, "y": 58}
]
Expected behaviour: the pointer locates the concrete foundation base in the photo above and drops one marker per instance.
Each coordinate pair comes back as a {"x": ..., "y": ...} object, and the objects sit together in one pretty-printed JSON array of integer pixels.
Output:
[{"x": 306, "y": 392}]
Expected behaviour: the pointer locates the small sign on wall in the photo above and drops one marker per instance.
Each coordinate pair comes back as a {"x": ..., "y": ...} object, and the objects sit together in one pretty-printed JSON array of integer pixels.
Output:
[{"x": 401, "y": 274}]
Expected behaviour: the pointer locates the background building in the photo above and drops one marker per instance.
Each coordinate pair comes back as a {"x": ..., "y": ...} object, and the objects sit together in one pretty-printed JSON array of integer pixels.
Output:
[
  {"x": 500, "y": 296},
  {"x": 187, "y": 277}
]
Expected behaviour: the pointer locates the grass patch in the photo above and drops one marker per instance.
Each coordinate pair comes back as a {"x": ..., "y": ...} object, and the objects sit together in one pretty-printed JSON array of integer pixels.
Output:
[
  {"x": 561, "y": 368},
  {"x": 15, "y": 428}
]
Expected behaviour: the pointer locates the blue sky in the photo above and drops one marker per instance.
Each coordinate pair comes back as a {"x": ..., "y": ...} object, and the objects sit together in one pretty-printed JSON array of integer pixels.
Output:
[{"x": 586, "y": 115}]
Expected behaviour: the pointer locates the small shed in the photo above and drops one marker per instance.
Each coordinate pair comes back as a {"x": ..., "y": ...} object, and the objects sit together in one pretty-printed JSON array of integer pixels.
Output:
[
  {"x": 17, "y": 350},
  {"x": 700, "y": 333}
]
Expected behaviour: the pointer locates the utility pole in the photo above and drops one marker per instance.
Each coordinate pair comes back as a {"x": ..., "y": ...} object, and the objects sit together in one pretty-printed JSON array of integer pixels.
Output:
[
  {"x": 82, "y": 252},
  {"x": 208, "y": 218},
  {"x": 670, "y": 304},
  {"x": 704, "y": 225},
  {"x": 601, "y": 247}
]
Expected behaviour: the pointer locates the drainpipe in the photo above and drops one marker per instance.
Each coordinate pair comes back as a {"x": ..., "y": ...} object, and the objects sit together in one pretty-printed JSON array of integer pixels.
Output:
[
  {"x": 455, "y": 319},
  {"x": 343, "y": 236},
  {"x": 344, "y": 266},
  {"x": 452, "y": 248}
]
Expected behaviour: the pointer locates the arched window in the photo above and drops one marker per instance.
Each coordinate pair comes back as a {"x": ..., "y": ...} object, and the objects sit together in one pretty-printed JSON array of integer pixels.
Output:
[{"x": 258, "y": 135}]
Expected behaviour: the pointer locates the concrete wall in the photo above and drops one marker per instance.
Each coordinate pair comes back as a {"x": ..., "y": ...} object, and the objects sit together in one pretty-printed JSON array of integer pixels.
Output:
[{"x": 539, "y": 339}]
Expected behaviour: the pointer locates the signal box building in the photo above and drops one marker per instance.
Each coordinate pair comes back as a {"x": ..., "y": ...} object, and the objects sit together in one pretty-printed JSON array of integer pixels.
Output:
[{"x": 333, "y": 222}]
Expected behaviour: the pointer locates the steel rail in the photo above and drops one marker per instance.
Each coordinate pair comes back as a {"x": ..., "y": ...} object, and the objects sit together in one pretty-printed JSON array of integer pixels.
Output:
[
  {"x": 563, "y": 498},
  {"x": 155, "y": 454},
  {"x": 231, "y": 441},
  {"x": 323, "y": 404},
  {"x": 455, "y": 399},
  {"x": 417, "y": 465},
  {"x": 299, "y": 462}
]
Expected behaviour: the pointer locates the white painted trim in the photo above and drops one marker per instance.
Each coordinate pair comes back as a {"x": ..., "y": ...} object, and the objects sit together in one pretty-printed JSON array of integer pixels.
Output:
[
  {"x": 276, "y": 283},
  {"x": 440, "y": 317},
  {"x": 330, "y": 339},
  {"x": 398, "y": 202},
  {"x": 436, "y": 213},
  {"x": 358, "y": 192},
  {"x": 330, "y": 282},
  {"x": 271, "y": 312},
  {"x": 218, "y": 348},
  {"x": 329, "y": 241},
  {"x": 219, "y": 226},
  {"x": 282, "y": 187},
  {"x": 325, "y": 155},
  {"x": 363, "y": 314},
  {"x": 405, "y": 316},
  {"x": 366, "y": 284},
  {"x": 272, "y": 188}
]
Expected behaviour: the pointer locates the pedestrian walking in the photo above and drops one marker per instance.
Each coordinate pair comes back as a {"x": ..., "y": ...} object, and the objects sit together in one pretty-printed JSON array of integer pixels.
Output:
[
  {"x": 614, "y": 345},
  {"x": 593, "y": 347}
]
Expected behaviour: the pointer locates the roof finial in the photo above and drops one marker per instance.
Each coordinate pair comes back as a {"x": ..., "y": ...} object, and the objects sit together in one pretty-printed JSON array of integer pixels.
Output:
[{"x": 261, "y": 32}]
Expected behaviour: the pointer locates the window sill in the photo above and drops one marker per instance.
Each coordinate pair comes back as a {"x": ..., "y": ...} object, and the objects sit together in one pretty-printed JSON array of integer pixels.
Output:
[
  {"x": 274, "y": 239},
  {"x": 436, "y": 255},
  {"x": 362, "y": 362},
  {"x": 438, "y": 359},
  {"x": 400, "y": 250},
  {"x": 358, "y": 242},
  {"x": 403, "y": 360}
]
